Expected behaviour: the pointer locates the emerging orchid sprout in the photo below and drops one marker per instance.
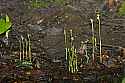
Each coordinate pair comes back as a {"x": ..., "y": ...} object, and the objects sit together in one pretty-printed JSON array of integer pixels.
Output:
[
  {"x": 71, "y": 53},
  {"x": 100, "y": 42},
  {"x": 20, "y": 49},
  {"x": 30, "y": 56},
  {"x": 93, "y": 39},
  {"x": 65, "y": 41},
  {"x": 22, "y": 38},
  {"x": 25, "y": 49}
]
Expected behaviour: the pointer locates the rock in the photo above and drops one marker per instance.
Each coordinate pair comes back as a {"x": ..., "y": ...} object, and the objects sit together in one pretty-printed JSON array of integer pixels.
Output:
[{"x": 54, "y": 31}]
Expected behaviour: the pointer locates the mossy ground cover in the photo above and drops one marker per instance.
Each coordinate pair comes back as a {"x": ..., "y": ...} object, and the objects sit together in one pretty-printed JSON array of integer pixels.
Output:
[{"x": 46, "y": 3}]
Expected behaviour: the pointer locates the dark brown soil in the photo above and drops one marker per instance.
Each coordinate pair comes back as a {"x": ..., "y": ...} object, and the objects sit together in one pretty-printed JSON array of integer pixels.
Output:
[{"x": 47, "y": 39}]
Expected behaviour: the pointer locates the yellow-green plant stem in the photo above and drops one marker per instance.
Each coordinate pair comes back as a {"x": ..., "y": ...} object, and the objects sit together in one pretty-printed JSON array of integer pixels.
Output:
[
  {"x": 30, "y": 57},
  {"x": 76, "y": 66},
  {"x": 100, "y": 42},
  {"x": 68, "y": 60},
  {"x": 93, "y": 40},
  {"x": 72, "y": 59},
  {"x": 23, "y": 47},
  {"x": 71, "y": 38},
  {"x": 20, "y": 49},
  {"x": 71, "y": 56},
  {"x": 72, "y": 50},
  {"x": 26, "y": 48},
  {"x": 65, "y": 41}
]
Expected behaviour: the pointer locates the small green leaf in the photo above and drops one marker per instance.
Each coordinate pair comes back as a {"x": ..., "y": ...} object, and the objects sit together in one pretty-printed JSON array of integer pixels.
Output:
[
  {"x": 60, "y": 2},
  {"x": 5, "y": 24}
]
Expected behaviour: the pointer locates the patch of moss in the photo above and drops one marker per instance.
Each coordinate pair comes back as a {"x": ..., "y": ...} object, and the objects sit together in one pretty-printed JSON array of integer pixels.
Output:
[
  {"x": 59, "y": 2},
  {"x": 39, "y": 4},
  {"x": 46, "y": 3},
  {"x": 121, "y": 11}
]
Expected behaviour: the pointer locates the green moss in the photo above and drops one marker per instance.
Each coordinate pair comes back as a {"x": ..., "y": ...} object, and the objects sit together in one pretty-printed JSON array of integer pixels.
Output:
[
  {"x": 46, "y": 3},
  {"x": 59, "y": 2},
  {"x": 122, "y": 9},
  {"x": 39, "y": 4}
]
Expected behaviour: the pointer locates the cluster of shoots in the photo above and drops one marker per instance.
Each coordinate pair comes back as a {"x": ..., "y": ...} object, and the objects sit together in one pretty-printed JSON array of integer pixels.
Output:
[
  {"x": 94, "y": 37},
  {"x": 25, "y": 48},
  {"x": 71, "y": 53}
]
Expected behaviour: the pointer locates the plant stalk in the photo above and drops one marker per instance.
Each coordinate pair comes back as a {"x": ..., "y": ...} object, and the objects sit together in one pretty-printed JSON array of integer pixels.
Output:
[
  {"x": 65, "y": 41},
  {"x": 30, "y": 57},
  {"x": 23, "y": 46},
  {"x": 100, "y": 42},
  {"x": 26, "y": 48},
  {"x": 93, "y": 40},
  {"x": 20, "y": 49}
]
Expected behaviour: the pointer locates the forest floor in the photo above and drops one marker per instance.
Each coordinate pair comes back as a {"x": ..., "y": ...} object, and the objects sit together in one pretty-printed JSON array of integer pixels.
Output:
[{"x": 46, "y": 27}]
